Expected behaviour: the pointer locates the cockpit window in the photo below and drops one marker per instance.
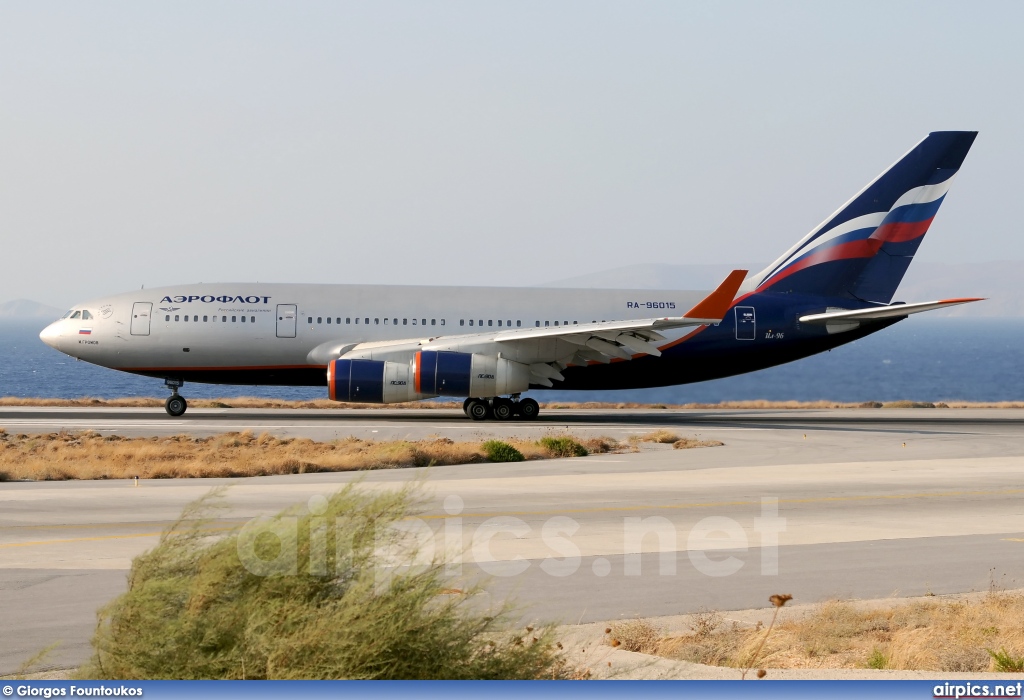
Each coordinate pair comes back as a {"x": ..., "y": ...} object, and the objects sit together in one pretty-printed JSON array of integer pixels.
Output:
[
  {"x": 68, "y": 313},
  {"x": 77, "y": 314},
  {"x": 86, "y": 316}
]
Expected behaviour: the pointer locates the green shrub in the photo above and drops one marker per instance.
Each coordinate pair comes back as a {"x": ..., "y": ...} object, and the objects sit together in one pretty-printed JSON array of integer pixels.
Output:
[
  {"x": 563, "y": 446},
  {"x": 1005, "y": 662},
  {"x": 194, "y": 611},
  {"x": 498, "y": 451},
  {"x": 877, "y": 660}
]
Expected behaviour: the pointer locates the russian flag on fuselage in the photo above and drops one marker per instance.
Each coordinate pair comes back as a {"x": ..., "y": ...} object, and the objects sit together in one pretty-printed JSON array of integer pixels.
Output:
[{"x": 840, "y": 257}]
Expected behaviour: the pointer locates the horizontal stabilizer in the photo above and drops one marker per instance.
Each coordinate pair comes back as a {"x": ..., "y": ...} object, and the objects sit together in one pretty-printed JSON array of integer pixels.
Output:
[{"x": 882, "y": 312}]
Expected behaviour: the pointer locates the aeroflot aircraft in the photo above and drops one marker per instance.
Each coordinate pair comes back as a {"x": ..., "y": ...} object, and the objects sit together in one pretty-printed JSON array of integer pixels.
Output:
[{"x": 377, "y": 344}]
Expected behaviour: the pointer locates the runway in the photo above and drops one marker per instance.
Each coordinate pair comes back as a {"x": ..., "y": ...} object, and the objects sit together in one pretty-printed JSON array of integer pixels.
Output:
[{"x": 863, "y": 503}]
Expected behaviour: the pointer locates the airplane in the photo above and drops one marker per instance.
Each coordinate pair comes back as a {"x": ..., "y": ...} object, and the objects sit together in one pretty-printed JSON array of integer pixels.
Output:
[{"x": 489, "y": 346}]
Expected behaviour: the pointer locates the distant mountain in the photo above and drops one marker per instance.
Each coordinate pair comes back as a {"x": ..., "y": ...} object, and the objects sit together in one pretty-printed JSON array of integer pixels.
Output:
[
  {"x": 999, "y": 282},
  {"x": 24, "y": 308}
]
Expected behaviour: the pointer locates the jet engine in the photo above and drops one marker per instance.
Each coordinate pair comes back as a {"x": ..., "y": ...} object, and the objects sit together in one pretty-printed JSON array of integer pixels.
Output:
[
  {"x": 370, "y": 381},
  {"x": 443, "y": 373}
]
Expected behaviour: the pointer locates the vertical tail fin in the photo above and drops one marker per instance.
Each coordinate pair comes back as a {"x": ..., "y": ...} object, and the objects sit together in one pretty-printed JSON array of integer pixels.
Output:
[{"x": 863, "y": 250}]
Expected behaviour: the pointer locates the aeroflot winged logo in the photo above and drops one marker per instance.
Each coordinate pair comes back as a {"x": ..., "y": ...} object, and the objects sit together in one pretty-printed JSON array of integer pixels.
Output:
[{"x": 209, "y": 299}]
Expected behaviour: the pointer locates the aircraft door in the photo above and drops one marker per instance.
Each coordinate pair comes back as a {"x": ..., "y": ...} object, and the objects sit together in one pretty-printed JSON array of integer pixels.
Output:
[
  {"x": 746, "y": 323},
  {"x": 142, "y": 312},
  {"x": 287, "y": 316}
]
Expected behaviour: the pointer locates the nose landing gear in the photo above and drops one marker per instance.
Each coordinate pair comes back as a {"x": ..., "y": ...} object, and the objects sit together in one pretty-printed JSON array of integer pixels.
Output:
[{"x": 175, "y": 405}]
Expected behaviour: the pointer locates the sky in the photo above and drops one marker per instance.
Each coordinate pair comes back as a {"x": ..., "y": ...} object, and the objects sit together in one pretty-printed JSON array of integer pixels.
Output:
[{"x": 479, "y": 142}]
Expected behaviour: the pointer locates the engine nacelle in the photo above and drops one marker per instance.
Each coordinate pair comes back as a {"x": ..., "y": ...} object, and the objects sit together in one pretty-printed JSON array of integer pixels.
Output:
[
  {"x": 441, "y": 373},
  {"x": 370, "y": 381}
]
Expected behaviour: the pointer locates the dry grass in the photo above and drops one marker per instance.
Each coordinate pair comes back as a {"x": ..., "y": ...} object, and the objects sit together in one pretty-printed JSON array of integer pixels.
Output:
[
  {"x": 944, "y": 636},
  {"x": 66, "y": 455},
  {"x": 257, "y": 402}
]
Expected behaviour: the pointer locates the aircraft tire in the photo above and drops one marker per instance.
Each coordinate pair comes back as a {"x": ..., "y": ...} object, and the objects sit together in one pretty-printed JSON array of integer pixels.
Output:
[
  {"x": 478, "y": 410},
  {"x": 465, "y": 406},
  {"x": 529, "y": 409},
  {"x": 175, "y": 405},
  {"x": 503, "y": 409}
]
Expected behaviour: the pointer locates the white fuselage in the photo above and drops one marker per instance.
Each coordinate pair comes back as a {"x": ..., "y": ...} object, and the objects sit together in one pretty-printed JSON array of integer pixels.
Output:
[{"x": 275, "y": 327}]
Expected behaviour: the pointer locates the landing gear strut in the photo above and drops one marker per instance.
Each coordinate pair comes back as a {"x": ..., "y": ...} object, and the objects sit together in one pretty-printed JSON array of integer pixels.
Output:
[{"x": 175, "y": 405}]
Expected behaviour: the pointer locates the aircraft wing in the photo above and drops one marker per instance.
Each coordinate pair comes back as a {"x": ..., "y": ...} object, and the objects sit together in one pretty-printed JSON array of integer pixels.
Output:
[
  {"x": 550, "y": 349},
  {"x": 882, "y": 312}
]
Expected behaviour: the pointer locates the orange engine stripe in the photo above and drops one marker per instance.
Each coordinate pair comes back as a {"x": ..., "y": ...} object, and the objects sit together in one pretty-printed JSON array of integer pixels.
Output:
[
  {"x": 416, "y": 373},
  {"x": 331, "y": 391}
]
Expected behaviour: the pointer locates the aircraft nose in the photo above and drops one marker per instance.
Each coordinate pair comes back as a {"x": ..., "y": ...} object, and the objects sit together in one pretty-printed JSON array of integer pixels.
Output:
[{"x": 51, "y": 335}]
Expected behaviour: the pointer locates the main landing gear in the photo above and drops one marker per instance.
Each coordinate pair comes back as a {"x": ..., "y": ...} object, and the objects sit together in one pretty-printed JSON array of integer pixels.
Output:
[
  {"x": 501, "y": 409},
  {"x": 175, "y": 405}
]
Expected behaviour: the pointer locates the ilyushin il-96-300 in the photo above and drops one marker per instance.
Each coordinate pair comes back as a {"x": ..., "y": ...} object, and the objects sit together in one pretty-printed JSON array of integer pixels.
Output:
[{"x": 490, "y": 345}]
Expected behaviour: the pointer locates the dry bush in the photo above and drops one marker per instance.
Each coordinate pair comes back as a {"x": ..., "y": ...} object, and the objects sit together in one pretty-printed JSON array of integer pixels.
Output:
[
  {"x": 601, "y": 445},
  {"x": 635, "y": 635},
  {"x": 664, "y": 437},
  {"x": 908, "y": 404},
  {"x": 689, "y": 443}
]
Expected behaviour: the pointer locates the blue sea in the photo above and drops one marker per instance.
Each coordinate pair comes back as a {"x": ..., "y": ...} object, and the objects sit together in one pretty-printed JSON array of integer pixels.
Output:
[{"x": 921, "y": 359}]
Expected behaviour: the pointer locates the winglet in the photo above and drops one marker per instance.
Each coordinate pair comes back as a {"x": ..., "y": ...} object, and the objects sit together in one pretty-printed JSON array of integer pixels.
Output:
[{"x": 716, "y": 304}]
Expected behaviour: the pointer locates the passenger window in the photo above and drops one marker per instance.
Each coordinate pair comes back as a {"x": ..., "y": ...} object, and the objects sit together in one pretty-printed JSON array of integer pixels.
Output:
[
  {"x": 348, "y": 319},
  {"x": 186, "y": 319},
  {"x": 490, "y": 323},
  {"x": 310, "y": 320},
  {"x": 176, "y": 317},
  {"x": 518, "y": 323},
  {"x": 328, "y": 320},
  {"x": 319, "y": 319},
  {"x": 481, "y": 322},
  {"x": 167, "y": 317},
  {"x": 376, "y": 321},
  {"x": 234, "y": 319},
  {"x": 357, "y": 321},
  {"x": 385, "y": 322},
  {"x": 507, "y": 323},
  {"x": 471, "y": 322},
  {"x": 206, "y": 319},
  {"x": 462, "y": 321},
  {"x": 433, "y": 321},
  {"x": 405, "y": 321},
  {"x": 196, "y": 318},
  {"x": 537, "y": 323},
  {"x": 243, "y": 319},
  {"x": 223, "y": 319},
  {"x": 252, "y": 319},
  {"x": 338, "y": 320},
  {"x": 414, "y": 322},
  {"x": 394, "y": 321},
  {"x": 424, "y": 322},
  {"x": 556, "y": 323},
  {"x": 442, "y": 321},
  {"x": 547, "y": 323},
  {"x": 366, "y": 321}
]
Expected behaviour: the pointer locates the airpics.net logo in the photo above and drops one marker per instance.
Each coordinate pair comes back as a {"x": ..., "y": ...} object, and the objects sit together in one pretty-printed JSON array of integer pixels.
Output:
[{"x": 504, "y": 546}]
